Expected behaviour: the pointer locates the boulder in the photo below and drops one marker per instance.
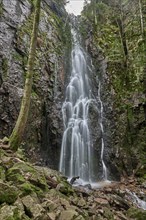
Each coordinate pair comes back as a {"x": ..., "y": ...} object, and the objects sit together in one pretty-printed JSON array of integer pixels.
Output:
[
  {"x": 8, "y": 193},
  {"x": 12, "y": 213},
  {"x": 49, "y": 205},
  {"x": 68, "y": 215},
  {"x": 21, "y": 172},
  {"x": 32, "y": 207}
]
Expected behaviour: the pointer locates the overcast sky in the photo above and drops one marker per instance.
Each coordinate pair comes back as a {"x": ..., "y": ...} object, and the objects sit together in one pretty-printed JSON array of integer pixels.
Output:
[{"x": 75, "y": 6}]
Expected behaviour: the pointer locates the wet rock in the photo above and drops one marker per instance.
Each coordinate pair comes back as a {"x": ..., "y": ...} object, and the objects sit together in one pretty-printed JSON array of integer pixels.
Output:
[
  {"x": 73, "y": 179},
  {"x": 119, "y": 202}
]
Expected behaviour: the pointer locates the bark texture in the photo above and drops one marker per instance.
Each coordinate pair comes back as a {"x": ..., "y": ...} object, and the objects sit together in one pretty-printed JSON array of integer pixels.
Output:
[{"x": 18, "y": 131}]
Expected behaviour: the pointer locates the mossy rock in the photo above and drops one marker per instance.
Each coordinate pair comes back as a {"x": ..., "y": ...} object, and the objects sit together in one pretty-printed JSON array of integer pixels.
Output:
[
  {"x": 15, "y": 176},
  {"x": 53, "y": 193},
  {"x": 65, "y": 188},
  {"x": 32, "y": 207},
  {"x": 138, "y": 214},
  {"x": 22, "y": 172},
  {"x": 8, "y": 212},
  {"x": 2, "y": 173},
  {"x": 28, "y": 188},
  {"x": 50, "y": 205},
  {"x": 108, "y": 214},
  {"x": 8, "y": 193}
]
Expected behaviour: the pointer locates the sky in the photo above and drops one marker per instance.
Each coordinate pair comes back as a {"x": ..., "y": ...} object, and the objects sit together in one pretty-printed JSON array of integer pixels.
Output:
[{"x": 75, "y": 6}]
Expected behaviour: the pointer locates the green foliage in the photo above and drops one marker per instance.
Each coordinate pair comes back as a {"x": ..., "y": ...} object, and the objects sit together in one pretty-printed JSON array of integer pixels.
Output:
[
  {"x": 115, "y": 28},
  {"x": 104, "y": 18}
]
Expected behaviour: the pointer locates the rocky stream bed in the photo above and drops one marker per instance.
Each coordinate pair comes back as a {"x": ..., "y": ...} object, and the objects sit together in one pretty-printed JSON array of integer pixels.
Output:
[{"x": 28, "y": 192}]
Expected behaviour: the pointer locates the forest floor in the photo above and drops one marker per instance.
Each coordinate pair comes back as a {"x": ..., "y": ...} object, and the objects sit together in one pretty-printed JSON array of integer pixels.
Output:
[{"x": 28, "y": 192}]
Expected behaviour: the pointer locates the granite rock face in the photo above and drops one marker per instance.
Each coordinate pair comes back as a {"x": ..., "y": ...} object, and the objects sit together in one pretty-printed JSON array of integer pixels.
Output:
[
  {"x": 44, "y": 129},
  {"x": 123, "y": 123},
  {"x": 100, "y": 78}
]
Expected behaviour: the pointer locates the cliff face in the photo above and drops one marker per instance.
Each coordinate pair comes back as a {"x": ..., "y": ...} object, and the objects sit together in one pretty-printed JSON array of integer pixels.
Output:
[
  {"x": 123, "y": 107},
  {"x": 123, "y": 122},
  {"x": 44, "y": 128},
  {"x": 108, "y": 28}
]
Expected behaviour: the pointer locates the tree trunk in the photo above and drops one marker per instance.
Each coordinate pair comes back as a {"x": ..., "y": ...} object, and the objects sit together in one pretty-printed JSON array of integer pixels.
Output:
[
  {"x": 18, "y": 131},
  {"x": 142, "y": 9}
]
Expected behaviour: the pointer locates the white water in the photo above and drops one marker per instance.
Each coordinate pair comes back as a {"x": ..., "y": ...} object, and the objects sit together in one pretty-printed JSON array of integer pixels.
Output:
[
  {"x": 140, "y": 203},
  {"x": 77, "y": 151},
  {"x": 102, "y": 130}
]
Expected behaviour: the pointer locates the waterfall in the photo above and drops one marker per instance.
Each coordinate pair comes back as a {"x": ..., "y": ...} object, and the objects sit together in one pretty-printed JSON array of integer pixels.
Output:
[
  {"x": 102, "y": 131},
  {"x": 76, "y": 157}
]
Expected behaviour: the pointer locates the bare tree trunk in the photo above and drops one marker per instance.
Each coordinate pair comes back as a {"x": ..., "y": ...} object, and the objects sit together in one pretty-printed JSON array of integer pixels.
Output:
[
  {"x": 18, "y": 131},
  {"x": 142, "y": 9},
  {"x": 141, "y": 17}
]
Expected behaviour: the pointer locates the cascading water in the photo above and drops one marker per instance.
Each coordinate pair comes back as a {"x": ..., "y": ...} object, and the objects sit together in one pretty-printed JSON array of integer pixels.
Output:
[
  {"x": 140, "y": 203},
  {"x": 102, "y": 131},
  {"x": 77, "y": 151}
]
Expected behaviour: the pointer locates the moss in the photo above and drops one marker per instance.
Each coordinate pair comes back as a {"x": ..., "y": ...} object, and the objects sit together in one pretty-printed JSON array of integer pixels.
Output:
[
  {"x": 21, "y": 172},
  {"x": 17, "y": 172},
  {"x": 134, "y": 213},
  {"x": 34, "y": 94},
  {"x": 8, "y": 193},
  {"x": 15, "y": 177},
  {"x": 26, "y": 29},
  {"x": 32, "y": 2},
  {"x": 63, "y": 31},
  {"x": 54, "y": 193},
  {"x": 2, "y": 173},
  {"x": 17, "y": 57},
  {"x": 28, "y": 188}
]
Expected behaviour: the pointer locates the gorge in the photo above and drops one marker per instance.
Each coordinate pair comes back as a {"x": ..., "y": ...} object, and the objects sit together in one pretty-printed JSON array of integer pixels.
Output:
[{"x": 87, "y": 116}]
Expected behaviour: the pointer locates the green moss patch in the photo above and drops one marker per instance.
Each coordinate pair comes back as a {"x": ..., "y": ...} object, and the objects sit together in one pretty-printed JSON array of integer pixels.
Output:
[{"x": 8, "y": 193}]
